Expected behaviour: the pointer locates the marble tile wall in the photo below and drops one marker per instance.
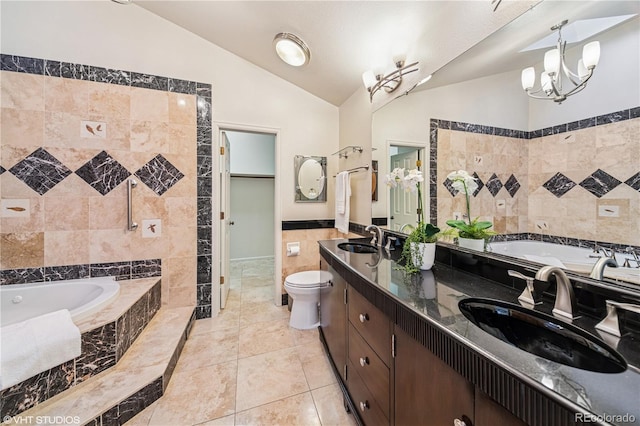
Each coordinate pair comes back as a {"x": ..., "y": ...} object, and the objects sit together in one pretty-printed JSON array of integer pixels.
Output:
[
  {"x": 575, "y": 183},
  {"x": 498, "y": 161},
  {"x": 72, "y": 134},
  {"x": 102, "y": 348}
]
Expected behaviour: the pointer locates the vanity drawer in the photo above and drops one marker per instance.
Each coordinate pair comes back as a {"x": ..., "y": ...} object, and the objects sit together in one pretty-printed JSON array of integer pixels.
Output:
[
  {"x": 368, "y": 409},
  {"x": 372, "y": 325},
  {"x": 371, "y": 369}
]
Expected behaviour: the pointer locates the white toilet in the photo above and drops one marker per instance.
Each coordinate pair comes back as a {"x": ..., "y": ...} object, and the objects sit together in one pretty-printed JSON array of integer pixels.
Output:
[{"x": 304, "y": 289}]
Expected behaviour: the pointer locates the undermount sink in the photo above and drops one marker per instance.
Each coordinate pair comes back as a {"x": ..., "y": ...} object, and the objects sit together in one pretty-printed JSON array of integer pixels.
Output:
[
  {"x": 358, "y": 247},
  {"x": 542, "y": 335}
]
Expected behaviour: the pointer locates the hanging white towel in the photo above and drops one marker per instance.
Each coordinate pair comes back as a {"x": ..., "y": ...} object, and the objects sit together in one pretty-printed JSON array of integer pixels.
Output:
[
  {"x": 343, "y": 195},
  {"x": 36, "y": 345}
]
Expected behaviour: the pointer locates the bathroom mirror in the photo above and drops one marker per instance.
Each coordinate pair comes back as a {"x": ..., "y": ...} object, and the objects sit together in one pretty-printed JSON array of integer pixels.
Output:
[
  {"x": 310, "y": 179},
  {"x": 481, "y": 91}
]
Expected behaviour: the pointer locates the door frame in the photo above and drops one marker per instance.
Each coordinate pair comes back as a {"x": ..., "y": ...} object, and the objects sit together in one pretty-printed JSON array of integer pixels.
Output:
[
  {"x": 423, "y": 146},
  {"x": 217, "y": 127}
]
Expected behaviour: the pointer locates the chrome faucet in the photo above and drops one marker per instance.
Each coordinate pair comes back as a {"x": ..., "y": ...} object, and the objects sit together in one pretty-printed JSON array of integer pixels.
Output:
[
  {"x": 565, "y": 305},
  {"x": 598, "y": 268},
  {"x": 377, "y": 235}
]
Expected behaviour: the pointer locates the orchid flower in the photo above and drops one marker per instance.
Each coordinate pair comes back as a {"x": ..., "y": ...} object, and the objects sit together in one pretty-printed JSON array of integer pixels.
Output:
[
  {"x": 412, "y": 180},
  {"x": 463, "y": 182},
  {"x": 395, "y": 177}
]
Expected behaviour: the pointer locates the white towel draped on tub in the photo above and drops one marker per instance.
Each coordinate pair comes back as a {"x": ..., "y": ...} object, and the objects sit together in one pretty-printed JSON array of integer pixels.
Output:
[
  {"x": 343, "y": 194},
  {"x": 36, "y": 345}
]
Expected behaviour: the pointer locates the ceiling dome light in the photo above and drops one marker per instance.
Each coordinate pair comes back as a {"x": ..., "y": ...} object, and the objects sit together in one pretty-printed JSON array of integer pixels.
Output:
[{"x": 291, "y": 49}]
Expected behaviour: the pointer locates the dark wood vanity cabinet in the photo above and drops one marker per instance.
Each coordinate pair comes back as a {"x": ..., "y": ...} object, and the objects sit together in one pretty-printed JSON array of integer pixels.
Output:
[
  {"x": 429, "y": 392},
  {"x": 369, "y": 353},
  {"x": 333, "y": 318}
]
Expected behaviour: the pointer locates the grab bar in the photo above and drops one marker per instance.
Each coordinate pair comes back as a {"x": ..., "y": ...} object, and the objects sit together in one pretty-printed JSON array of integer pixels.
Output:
[{"x": 131, "y": 225}]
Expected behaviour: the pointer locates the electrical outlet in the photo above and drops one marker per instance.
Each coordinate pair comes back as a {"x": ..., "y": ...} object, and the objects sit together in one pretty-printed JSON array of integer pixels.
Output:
[
  {"x": 151, "y": 228},
  {"x": 477, "y": 160}
]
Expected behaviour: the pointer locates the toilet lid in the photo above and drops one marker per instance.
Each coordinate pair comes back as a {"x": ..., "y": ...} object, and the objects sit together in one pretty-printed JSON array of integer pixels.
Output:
[{"x": 308, "y": 278}]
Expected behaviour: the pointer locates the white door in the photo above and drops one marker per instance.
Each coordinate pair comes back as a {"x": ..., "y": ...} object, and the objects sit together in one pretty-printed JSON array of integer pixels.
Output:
[
  {"x": 225, "y": 218},
  {"x": 403, "y": 205}
]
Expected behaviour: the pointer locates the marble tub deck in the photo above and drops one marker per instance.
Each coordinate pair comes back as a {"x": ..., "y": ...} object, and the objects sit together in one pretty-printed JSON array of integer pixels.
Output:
[{"x": 247, "y": 366}]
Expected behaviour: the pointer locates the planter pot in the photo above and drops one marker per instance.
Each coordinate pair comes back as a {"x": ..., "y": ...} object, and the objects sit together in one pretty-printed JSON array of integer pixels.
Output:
[
  {"x": 423, "y": 255},
  {"x": 470, "y": 243}
]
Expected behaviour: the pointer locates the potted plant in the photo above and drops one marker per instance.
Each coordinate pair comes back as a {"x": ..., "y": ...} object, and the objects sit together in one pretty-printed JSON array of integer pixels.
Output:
[
  {"x": 472, "y": 233},
  {"x": 418, "y": 251}
]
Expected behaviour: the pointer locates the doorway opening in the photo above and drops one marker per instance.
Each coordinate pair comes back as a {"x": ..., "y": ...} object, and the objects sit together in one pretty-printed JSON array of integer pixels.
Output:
[
  {"x": 403, "y": 205},
  {"x": 247, "y": 206}
]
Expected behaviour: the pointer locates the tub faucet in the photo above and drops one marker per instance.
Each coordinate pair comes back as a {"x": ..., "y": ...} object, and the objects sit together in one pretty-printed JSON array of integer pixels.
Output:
[
  {"x": 598, "y": 269},
  {"x": 565, "y": 305},
  {"x": 377, "y": 235},
  {"x": 406, "y": 225}
]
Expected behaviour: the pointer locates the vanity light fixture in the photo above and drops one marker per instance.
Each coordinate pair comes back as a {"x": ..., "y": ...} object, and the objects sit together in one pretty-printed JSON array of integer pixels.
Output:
[
  {"x": 291, "y": 49},
  {"x": 555, "y": 67},
  {"x": 375, "y": 81}
]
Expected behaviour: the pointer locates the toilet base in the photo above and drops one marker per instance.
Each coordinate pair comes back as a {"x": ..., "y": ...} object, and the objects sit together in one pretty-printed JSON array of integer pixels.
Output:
[{"x": 304, "y": 314}]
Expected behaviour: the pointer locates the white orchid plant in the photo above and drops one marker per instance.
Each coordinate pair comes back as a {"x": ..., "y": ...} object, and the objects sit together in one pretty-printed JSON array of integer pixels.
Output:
[
  {"x": 462, "y": 181},
  {"x": 423, "y": 232}
]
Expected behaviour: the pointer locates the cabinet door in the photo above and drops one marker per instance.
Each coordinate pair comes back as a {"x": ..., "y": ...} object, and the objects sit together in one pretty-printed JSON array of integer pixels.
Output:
[
  {"x": 333, "y": 318},
  {"x": 490, "y": 413},
  {"x": 428, "y": 391}
]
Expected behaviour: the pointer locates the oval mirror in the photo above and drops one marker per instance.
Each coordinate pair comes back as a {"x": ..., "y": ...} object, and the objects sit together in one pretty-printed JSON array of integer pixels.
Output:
[{"x": 310, "y": 177}]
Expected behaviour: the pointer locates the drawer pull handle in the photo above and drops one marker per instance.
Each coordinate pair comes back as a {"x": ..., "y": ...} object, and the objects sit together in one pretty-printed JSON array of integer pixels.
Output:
[
  {"x": 364, "y": 405},
  {"x": 364, "y": 361},
  {"x": 364, "y": 317}
]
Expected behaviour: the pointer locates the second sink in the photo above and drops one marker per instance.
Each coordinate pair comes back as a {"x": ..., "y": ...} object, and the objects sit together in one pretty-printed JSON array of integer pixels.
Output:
[
  {"x": 542, "y": 335},
  {"x": 358, "y": 247}
]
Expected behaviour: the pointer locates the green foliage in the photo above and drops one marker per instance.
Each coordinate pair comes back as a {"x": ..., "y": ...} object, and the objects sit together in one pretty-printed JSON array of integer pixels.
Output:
[
  {"x": 477, "y": 230},
  {"x": 423, "y": 233}
]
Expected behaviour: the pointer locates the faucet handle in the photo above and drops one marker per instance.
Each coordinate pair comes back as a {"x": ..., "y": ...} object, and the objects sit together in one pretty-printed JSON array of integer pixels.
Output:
[
  {"x": 610, "y": 323},
  {"x": 388, "y": 246},
  {"x": 528, "y": 296}
]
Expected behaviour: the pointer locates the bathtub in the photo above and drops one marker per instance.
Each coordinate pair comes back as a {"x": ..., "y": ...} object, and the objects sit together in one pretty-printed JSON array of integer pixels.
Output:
[
  {"x": 572, "y": 258},
  {"x": 82, "y": 298}
]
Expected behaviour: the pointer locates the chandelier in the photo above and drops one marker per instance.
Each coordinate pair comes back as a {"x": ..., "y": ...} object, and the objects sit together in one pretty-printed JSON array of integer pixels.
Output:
[
  {"x": 555, "y": 71},
  {"x": 389, "y": 82}
]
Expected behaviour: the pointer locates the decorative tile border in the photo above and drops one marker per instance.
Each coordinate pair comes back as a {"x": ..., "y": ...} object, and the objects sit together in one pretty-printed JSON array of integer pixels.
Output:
[
  {"x": 293, "y": 225},
  {"x": 204, "y": 142},
  {"x": 129, "y": 270},
  {"x": 102, "y": 348}
]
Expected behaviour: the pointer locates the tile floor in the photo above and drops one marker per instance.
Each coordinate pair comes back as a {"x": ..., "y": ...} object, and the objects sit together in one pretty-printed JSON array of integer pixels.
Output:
[{"x": 248, "y": 367}]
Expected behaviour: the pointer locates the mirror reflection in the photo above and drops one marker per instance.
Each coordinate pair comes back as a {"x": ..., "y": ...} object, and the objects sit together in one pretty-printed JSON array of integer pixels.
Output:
[
  {"x": 310, "y": 178},
  {"x": 550, "y": 172}
]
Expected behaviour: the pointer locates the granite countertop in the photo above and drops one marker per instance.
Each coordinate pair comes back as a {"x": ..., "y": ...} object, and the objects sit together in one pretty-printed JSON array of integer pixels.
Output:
[{"x": 435, "y": 294}]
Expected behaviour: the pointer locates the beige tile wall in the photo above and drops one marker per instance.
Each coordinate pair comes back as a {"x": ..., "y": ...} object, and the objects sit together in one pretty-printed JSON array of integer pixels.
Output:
[
  {"x": 613, "y": 148},
  {"x": 73, "y": 223},
  {"x": 309, "y": 258},
  {"x": 458, "y": 150}
]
